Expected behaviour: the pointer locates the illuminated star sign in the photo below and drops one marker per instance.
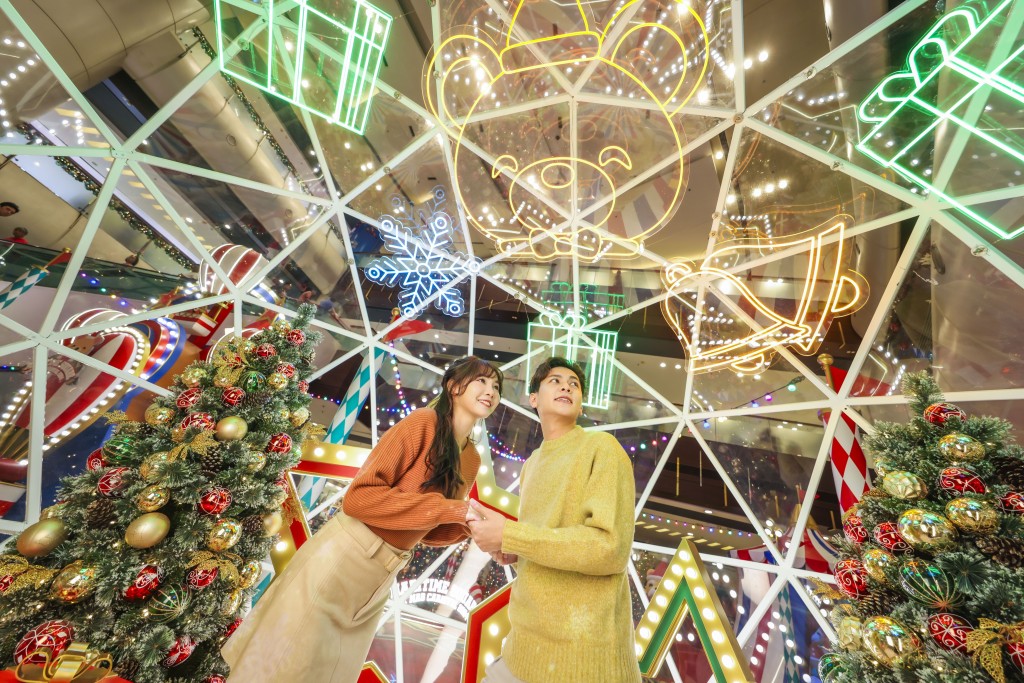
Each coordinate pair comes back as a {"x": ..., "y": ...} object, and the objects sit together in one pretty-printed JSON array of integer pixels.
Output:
[
  {"x": 314, "y": 54},
  {"x": 907, "y": 120},
  {"x": 423, "y": 263}
]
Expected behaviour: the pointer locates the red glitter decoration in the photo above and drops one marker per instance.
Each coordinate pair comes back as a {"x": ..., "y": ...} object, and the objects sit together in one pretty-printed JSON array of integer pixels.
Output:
[
  {"x": 852, "y": 578},
  {"x": 201, "y": 420},
  {"x": 95, "y": 461},
  {"x": 949, "y": 631},
  {"x": 198, "y": 579},
  {"x": 279, "y": 443},
  {"x": 266, "y": 351},
  {"x": 189, "y": 398},
  {"x": 286, "y": 369},
  {"x": 183, "y": 648},
  {"x": 55, "y": 635},
  {"x": 232, "y": 396},
  {"x": 112, "y": 482},
  {"x": 215, "y": 500},
  {"x": 854, "y": 529},
  {"x": 145, "y": 584},
  {"x": 887, "y": 534}
]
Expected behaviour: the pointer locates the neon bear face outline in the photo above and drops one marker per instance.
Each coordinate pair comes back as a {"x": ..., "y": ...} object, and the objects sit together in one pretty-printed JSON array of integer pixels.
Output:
[{"x": 545, "y": 169}]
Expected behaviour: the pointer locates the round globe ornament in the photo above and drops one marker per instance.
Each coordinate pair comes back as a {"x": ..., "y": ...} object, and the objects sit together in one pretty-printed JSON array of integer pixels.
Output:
[
  {"x": 272, "y": 523},
  {"x": 168, "y": 604},
  {"x": 830, "y": 666},
  {"x": 95, "y": 461},
  {"x": 145, "y": 584},
  {"x": 154, "y": 466},
  {"x": 193, "y": 376},
  {"x": 266, "y": 350},
  {"x": 153, "y": 497},
  {"x": 54, "y": 636},
  {"x": 927, "y": 531},
  {"x": 157, "y": 415},
  {"x": 279, "y": 443},
  {"x": 255, "y": 461},
  {"x": 299, "y": 417},
  {"x": 249, "y": 574},
  {"x": 1012, "y": 502},
  {"x": 888, "y": 640},
  {"x": 232, "y": 396},
  {"x": 850, "y": 633},
  {"x": 277, "y": 381},
  {"x": 120, "y": 447},
  {"x": 147, "y": 530},
  {"x": 42, "y": 537},
  {"x": 202, "y": 421},
  {"x": 851, "y": 578},
  {"x": 254, "y": 382},
  {"x": 949, "y": 631},
  {"x": 296, "y": 337},
  {"x": 231, "y": 428},
  {"x": 853, "y": 528},
  {"x": 198, "y": 578},
  {"x": 877, "y": 562},
  {"x": 939, "y": 414},
  {"x": 182, "y": 649},
  {"x": 960, "y": 480},
  {"x": 113, "y": 481},
  {"x": 928, "y": 585},
  {"x": 960, "y": 448},
  {"x": 281, "y": 326},
  {"x": 74, "y": 583},
  {"x": 904, "y": 485},
  {"x": 286, "y": 369},
  {"x": 972, "y": 515},
  {"x": 231, "y": 603},
  {"x": 215, "y": 500},
  {"x": 887, "y": 535},
  {"x": 189, "y": 398},
  {"x": 224, "y": 535}
]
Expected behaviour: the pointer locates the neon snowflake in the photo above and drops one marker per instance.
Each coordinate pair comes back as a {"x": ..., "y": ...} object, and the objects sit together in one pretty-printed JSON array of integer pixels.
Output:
[{"x": 423, "y": 263}]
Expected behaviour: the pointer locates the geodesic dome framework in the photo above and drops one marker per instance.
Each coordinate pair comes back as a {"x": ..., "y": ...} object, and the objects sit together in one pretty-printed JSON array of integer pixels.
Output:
[{"x": 742, "y": 149}]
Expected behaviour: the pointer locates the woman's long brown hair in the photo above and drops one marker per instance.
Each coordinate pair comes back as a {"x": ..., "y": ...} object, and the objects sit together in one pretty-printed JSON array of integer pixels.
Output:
[{"x": 443, "y": 461}]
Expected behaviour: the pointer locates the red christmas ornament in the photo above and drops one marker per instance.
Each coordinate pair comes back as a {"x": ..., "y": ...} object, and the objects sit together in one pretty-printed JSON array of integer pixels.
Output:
[
  {"x": 286, "y": 369},
  {"x": 216, "y": 678},
  {"x": 949, "y": 631},
  {"x": 854, "y": 529},
  {"x": 112, "y": 482},
  {"x": 1012, "y": 502},
  {"x": 55, "y": 635},
  {"x": 145, "y": 584},
  {"x": 232, "y": 627},
  {"x": 887, "y": 535},
  {"x": 232, "y": 396},
  {"x": 95, "y": 461},
  {"x": 215, "y": 500},
  {"x": 296, "y": 337},
  {"x": 852, "y": 578},
  {"x": 188, "y": 398},
  {"x": 961, "y": 480},
  {"x": 303, "y": 386},
  {"x": 201, "y": 420},
  {"x": 5, "y": 582},
  {"x": 938, "y": 413},
  {"x": 1016, "y": 652},
  {"x": 279, "y": 443},
  {"x": 198, "y": 579},
  {"x": 182, "y": 650},
  {"x": 266, "y": 351}
]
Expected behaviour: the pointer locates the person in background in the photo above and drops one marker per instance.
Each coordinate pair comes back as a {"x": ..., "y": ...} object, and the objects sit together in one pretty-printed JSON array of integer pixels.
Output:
[
  {"x": 18, "y": 236},
  {"x": 8, "y": 209},
  {"x": 317, "y": 620},
  {"x": 570, "y": 609}
]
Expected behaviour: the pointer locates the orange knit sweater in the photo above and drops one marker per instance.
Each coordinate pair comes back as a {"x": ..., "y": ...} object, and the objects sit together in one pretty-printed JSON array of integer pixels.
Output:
[{"x": 386, "y": 494}]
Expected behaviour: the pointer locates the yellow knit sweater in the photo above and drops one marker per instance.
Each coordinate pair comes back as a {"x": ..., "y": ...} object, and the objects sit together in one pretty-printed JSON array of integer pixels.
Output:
[{"x": 570, "y": 606}]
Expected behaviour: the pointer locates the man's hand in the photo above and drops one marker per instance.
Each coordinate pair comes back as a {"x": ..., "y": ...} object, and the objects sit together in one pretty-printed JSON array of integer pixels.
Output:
[{"x": 487, "y": 527}]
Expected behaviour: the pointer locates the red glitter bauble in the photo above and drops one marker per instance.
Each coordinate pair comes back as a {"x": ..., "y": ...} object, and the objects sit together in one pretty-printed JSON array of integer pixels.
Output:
[
  {"x": 949, "y": 631},
  {"x": 286, "y": 369},
  {"x": 854, "y": 529},
  {"x": 961, "y": 480},
  {"x": 145, "y": 584},
  {"x": 1012, "y": 502},
  {"x": 215, "y": 678},
  {"x": 266, "y": 351},
  {"x": 198, "y": 579},
  {"x": 95, "y": 461},
  {"x": 303, "y": 386},
  {"x": 215, "y": 500},
  {"x": 5, "y": 582},
  {"x": 887, "y": 535},
  {"x": 183, "y": 648},
  {"x": 188, "y": 398},
  {"x": 279, "y": 443},
  {"x": 232, "y": 627},
  {"x": 55, "y": 635},
  {"x": 852, "y": 578},
  {"x": 201, "y": 420},
  {"x": 296, "y": 337},
  {"x": 112, "y": 482},
  {"x": 232, "y": 396},
  {"x": 939, "y": 413}
]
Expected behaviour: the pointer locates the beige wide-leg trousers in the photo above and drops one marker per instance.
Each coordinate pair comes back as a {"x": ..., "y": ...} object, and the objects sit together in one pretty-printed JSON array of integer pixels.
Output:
[{"x": 317, "y": 620}]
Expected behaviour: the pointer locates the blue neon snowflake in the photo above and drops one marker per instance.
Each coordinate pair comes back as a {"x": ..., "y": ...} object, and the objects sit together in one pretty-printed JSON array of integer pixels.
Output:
[{"x": 423, "y": 262}]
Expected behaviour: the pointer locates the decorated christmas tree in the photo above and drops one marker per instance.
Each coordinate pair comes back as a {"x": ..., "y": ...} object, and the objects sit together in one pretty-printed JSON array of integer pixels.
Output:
[
  {"x": 932, "y": 570},
  {"x": 148, "y": 555}
]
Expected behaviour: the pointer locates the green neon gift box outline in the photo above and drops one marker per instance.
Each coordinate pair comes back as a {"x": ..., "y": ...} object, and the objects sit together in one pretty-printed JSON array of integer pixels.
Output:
[
  {"x": 906, "y": 100},
  {"x": 363, "y": 39},
  {"x": 566, "y": 341}
]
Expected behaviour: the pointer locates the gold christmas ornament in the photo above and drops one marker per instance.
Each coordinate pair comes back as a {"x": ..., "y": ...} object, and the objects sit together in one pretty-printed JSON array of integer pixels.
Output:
[
  {"x": 881, "y": 467},
  {"x": 876, "y": 562},
  {"x": 231, "y": 603},
  {"x": 193, "y": 376},
  {"x": 153, "y": 467},
  {"x": 850, "y": 633},
  {"x": 224, "y": 535},
  {"x": 147, "y": 530},
  {"x": 223, "y": 380},
  {"x": 54, "y": 511},
  {"x": 299, "y": 416},
  {"x": 904, "y": 485},
  {"x": 231, "y": 428},
  {"x": 152, "y": 498},
  {"x": 281, "y": 326},
  {"x": 958, "y": 447},
  {"x": 277, "y": 381},
  {"x": 74, "y": 583},
  {"x": 255, "y": 461},
  {"x": 972, "y": 515},
  {"x": 42, "y": 537},
  {"x": 272, "y": 522},
  {"x": 889, "y": 641},
  {"x": 157, "y": 415},
  {"x": 285, "y": 414},
  {"x": 925, "y": 530},
  {"x": 249, "y": 574},
  {"x": 178, "y": 434}
]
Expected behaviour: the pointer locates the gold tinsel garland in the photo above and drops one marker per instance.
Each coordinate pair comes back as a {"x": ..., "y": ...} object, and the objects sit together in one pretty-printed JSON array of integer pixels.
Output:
[
  {"x": 225, "y": 563},
  {"x": 201, "y": 444},
  {"x": 987, "y": 641},
  {"x": 25, "y": 575}
]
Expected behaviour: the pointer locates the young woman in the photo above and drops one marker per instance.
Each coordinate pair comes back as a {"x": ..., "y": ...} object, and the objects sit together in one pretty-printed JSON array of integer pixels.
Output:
[{"x": 317, "y": 620}]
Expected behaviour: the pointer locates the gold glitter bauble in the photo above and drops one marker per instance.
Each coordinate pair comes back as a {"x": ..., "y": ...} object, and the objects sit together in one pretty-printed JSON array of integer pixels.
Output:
[
  {"x": 54, "y": 511},
  {"x": 157, "y": 415},
  {"x": 889, "y": 641},
  {"x": 255, "y": 461},
  {"x": 904, "y": 485},
  {"x": 152, "y": 498},
  {"x": 972, "y": 515},
  {"x": 147, "y": 530},
  {"x": 231, "y": 428},
  {"x": 231, "y": 603},
  {"x": 42, "y": 537},
  {"x": 75, "y": 582},
  {"x": 193, "y": 376},
  {"x": 957, "y": 447},
  {"x": 224, "y": 535},
  {"x": 249, "y": 574},
  {"x": 284, "y": 414},
  {"x": 277, "y": 381},
  {"x": 152, "y": 468},
  {"x": 876, "y": 561},
  {"x": 272, "y": 523},
  {"x": 925, "y": 530},
  {"x": 299, "y": 417},
  {"x": 281, "y": 326}
]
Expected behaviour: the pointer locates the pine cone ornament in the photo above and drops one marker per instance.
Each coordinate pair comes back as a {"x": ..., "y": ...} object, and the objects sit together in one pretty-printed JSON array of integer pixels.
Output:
[
  {"x": 1010, "y": 471},
  {"x": 128, "y": 669},
  {"x": 212, "y": 461},
  {"x": 1006, "y": 551},
  {"x": 879, "y": 602},
  {"x": 253, "y": 525},
  {"x": 100, "y": 513}
]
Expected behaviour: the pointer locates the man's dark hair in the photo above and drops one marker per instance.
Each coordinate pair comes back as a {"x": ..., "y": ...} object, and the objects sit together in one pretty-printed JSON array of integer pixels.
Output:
[
  {"x": 545, "y": 368},
  {"x": 19, "y": 231},
  {"x": 12, "y": 205}
]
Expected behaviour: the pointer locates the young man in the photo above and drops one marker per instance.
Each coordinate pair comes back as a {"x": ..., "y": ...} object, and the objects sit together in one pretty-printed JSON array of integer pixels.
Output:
[
  {"x": 570, "y": 606},
  {"x": 8, "y": 209}
]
